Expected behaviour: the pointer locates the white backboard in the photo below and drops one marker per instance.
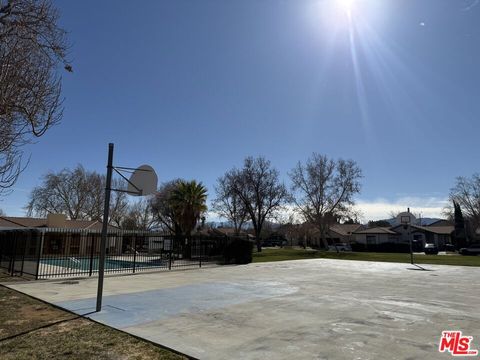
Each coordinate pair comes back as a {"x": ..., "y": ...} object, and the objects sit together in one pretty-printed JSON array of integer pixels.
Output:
[
  {"x": 406, "y": 218},
  {"x": 145, "y": 180}
]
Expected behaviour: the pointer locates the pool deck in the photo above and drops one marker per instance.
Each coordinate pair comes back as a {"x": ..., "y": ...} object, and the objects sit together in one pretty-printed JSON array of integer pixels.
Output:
[{"x": 305, "y": 309}]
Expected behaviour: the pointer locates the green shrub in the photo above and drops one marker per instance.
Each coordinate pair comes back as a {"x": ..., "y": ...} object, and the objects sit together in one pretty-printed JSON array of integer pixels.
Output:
[
  {"x": 393, "y": 247},
  {"x": 358, "y": 247}
]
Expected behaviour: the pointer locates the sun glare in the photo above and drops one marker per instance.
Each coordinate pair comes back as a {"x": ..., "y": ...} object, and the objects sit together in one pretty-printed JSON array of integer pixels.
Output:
[{"x": 346, "y": 6}]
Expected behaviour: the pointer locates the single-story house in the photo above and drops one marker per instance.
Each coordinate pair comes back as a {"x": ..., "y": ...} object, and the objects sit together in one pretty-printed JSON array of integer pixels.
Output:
[
  {"x": 62, "y": 236},
  {"x": 51, "y": 221},
  {"x": 439, "y": 233},
  {"x": 343, "y": 233},
  {"x": 421, "y": 235},
  {"x": 376, "y": 236},
  {"x": 309, "y": 235}
]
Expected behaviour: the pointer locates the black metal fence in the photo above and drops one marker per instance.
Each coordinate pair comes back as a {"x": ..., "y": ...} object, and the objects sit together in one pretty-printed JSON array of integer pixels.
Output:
[{"x": 47, "y": 253}]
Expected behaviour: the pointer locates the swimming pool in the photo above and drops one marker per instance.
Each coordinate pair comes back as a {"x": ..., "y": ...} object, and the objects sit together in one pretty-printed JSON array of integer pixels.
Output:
[{"x": 110, "y": 264}]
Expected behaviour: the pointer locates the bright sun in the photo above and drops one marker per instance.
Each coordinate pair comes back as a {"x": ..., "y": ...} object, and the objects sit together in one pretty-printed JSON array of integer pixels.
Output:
[{"x": 346, "y": 6}]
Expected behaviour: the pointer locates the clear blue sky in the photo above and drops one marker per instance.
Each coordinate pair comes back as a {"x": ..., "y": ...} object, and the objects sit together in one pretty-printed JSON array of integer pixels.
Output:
[{"x": 192, "y": 87}]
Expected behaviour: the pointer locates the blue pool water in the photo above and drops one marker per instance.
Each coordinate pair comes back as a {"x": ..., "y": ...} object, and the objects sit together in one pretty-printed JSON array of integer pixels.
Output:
[{"x": 84, "y": 263}]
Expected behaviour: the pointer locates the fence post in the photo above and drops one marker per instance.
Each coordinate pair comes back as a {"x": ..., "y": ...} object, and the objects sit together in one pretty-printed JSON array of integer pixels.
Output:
[
  {"x": 170, "y": 255},
  {"x": 14, "y": 254},
  {"x": 23, "y": 254},
  {"x": 40, "y": 246},
  {"x": 91, "y": 255},
  {"x": 200, "y": 262},
  {"x": 134, "y": 252}
]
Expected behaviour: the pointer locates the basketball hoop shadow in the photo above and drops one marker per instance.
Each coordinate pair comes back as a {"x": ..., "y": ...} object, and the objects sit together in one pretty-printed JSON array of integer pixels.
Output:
[{"x": 418, "y": 267}]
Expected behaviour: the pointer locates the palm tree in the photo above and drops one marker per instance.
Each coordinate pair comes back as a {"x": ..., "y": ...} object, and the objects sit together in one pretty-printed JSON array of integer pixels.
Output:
[{"x": 189, "y": 203}]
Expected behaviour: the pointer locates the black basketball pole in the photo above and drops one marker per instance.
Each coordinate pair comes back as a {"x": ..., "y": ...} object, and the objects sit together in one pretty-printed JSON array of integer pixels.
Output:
[
  {"x": 411, "y": 243},
  {"x": 103, "y": 243}
]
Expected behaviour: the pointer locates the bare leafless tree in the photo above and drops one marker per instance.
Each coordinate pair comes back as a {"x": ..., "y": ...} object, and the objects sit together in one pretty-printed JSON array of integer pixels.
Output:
[
  {"x": 32, "y": 47},
  {"x": 164, "y": 210},
  {"x": 393, "y": 214},
  {"x": 139, "y": 216},
  {"x": 324, "y": 190},
  {"x": 227, "y": 203},
  {"x": 466, "y": 193},
  {"x": 77, "y": 193},
  {"x": 66, "y": 192},
  {"x": 118, "y": 202},
  {"x": 258, "y": 187}
]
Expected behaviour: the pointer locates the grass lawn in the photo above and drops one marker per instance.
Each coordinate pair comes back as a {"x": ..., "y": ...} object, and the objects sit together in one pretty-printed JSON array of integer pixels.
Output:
[
  {"x": 297, "y": 254},
  {"x": 31, "y": 329}
]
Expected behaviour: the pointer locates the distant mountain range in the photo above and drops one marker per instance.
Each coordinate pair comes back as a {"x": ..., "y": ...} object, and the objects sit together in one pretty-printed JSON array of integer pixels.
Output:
[
  {"x": 273, "y": 226},
  {"x": 422, "y": 222}
]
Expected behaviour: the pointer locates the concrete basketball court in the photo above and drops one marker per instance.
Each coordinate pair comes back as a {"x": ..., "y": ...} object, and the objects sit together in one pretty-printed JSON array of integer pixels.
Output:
[{"x": 306, "y": 309}]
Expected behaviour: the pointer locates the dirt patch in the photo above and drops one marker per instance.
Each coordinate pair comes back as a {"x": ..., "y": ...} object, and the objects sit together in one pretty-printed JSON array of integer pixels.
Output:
[
  {"x": 5, "y": 277},
  {"x": 81, "y": 339},
  {"x": 69, "y": 282},
  {"x": 42, "y": 312},
  {"x": 70, "y": 325},
  {"x": 20, "y": 313},
  {"x": 14, "y": 322},
  {"x": 41, "y": 337}
]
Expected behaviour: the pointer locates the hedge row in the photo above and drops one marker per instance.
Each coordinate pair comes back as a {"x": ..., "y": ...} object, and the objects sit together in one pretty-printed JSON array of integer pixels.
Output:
[
  {"x": 384, "y": 247},
  {"x": 239, "y": 251}
]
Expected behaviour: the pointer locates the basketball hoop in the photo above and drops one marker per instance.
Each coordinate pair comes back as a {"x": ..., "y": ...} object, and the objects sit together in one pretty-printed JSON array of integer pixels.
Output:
[
  {"x": 405, "y": 220},
  {"x": 143, "y": 181}
]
